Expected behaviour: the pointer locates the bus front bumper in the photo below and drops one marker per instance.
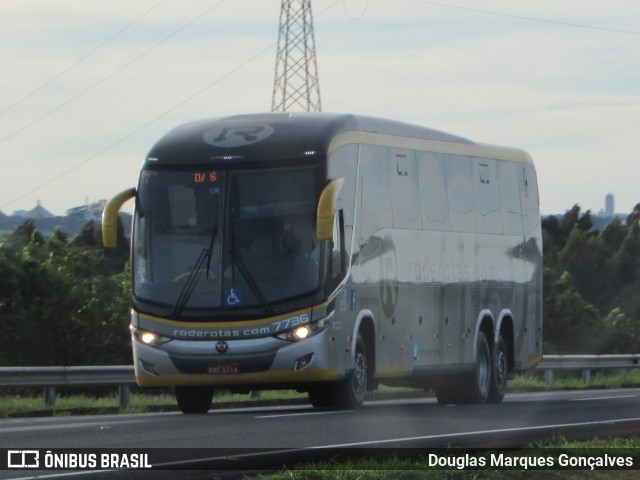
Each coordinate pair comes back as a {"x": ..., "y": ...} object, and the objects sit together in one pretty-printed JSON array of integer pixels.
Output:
[{"x": 247, "y": 362}]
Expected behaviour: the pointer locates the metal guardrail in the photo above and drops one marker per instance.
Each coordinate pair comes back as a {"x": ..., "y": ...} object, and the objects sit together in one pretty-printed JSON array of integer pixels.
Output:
[
  {"x": 51, "y": 378},
  {"x": 122, "y": 376},
  {"x": 66, "y": 376},
  {"x": 585, "y": 363}
]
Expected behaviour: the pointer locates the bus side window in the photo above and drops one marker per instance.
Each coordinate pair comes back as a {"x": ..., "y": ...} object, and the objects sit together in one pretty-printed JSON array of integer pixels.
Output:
[
  {"x": 529, "y": 198},
  {"x": 376, "y": 194},
  {"x": 343, "y": 162},
  {"x": 462, "y": 202},
  {"x": 338, "y": 261},
  {"x": 510, "y": 197},
  {"x": 488, "y": 207},
  {"x": 404, "y": 190},
  {"x": 433, "y": 191}
]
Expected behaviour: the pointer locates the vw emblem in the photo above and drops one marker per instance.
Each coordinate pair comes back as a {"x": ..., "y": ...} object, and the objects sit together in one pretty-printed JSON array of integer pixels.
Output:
[{"x": 222, "y": 347}]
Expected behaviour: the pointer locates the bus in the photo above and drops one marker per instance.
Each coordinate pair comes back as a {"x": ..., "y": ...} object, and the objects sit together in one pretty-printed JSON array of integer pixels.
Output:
[{"x": 331, "y": 254}]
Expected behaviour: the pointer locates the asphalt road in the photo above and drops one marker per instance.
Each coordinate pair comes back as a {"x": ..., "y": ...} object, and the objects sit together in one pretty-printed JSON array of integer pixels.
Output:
[{"x": 384, "y": 425}]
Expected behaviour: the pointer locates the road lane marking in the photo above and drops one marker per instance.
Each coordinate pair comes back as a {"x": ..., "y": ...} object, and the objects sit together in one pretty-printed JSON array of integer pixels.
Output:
[
  {"x": 477, "y": 433},
  {"x": 280, "y": 415},
  {"x": 66, "y": 426},
  {"x": 603, "y": 398}
]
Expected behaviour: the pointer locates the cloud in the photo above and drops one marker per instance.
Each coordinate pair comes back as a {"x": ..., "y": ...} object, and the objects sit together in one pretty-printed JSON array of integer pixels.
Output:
[{"x": 568, "y": 95}]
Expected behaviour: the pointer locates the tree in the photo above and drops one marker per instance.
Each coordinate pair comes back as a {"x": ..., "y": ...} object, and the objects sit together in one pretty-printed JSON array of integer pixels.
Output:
[
  {"x": 625, "y": 332},
  {"x": 571, "y": 325},
  {"x": 59, "y": 304},
  {"x": 591, "y": 284},
  {"x": 634, "y": 216},
  {"x": 583, "y": 257}
]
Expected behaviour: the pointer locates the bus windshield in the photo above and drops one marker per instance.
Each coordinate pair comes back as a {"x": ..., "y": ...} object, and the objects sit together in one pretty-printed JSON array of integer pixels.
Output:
[{"x": 209, "y": 239}]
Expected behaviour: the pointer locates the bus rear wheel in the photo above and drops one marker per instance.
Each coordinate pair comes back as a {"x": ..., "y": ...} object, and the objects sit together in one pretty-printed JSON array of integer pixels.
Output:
[
  {"x": 499, "y": 372},
  {"x": 478, "y": 384},
  {"x": 194, "y": 400}
]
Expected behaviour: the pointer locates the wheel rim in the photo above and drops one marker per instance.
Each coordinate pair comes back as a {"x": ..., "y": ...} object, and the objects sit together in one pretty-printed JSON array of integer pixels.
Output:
[
  {"x": 501, "y": 367},
  {"x": 483, "y": 370},
  {"x": 359, "y": 381}
]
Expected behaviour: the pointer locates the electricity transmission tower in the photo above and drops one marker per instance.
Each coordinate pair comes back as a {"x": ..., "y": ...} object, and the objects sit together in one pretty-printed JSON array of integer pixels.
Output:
[{"x": 296, "y": 79}]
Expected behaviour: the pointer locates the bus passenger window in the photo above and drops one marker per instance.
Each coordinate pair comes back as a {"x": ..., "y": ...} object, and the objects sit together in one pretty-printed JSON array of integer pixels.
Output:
[
  {"x": 376, "y": 193},
  {"x": 338, "y": 262},
  {"x": 488, "y": 208},
  {"x": 529, "y": 199},
  {"x": 433, "y": 191},
  {"x": 462, "y": 203},
  {"x": 510, "y": 198},
  {"x": 343, "y": 162},
  {"x": 404, "y": 191}
]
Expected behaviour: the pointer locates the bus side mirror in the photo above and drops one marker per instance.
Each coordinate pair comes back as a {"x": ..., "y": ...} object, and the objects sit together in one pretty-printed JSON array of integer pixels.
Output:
[
  {"x": 110, "y": 217},
  {"x": 327, "y": 209}
]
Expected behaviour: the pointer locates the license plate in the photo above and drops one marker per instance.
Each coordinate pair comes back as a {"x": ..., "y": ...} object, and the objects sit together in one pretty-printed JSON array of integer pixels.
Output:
[{"x": 223, "y": 369}]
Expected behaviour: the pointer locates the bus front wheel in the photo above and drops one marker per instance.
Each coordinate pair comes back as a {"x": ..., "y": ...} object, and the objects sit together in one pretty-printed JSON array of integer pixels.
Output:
[
  {"x": 194, "y": 400},
  {"x": 349, "y": 393},
  {"x": 353, "y": 390}
]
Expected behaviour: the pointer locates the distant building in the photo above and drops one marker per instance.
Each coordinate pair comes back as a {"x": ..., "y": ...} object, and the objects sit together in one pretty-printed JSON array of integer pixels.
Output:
[
  {"x": 609, "y": 205},
  {"x": 604, "y": 217},
  {"x": 36, "y": 213}
]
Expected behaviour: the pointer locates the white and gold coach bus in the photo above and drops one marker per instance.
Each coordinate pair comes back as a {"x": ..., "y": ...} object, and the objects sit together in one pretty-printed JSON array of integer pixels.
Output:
[{"x": 330, "y": 254}]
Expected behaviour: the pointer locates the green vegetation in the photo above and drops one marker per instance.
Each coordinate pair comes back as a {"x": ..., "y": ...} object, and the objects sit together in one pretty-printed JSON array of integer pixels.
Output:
[
  {"x": 63, "y": 302},
  {"x": 20, "y": 405},
  {"x": 14, "y": 405},
  {"x": 29, "y": 404},
  {"x": 573, "y": 380},
  {"x": 591, "y": 284}
]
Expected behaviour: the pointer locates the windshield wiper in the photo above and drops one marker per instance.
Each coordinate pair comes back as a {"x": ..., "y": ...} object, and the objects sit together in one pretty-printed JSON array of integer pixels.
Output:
[
  {"x": 250, "y": 280},
  {"x": 194, "y": 275}
]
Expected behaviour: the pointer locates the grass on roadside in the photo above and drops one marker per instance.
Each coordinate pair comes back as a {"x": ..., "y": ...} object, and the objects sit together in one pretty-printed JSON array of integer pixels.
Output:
[
  {"x": 421, "y": 469},
  {"x": 19, "y": 405},
  {"x": 573, "y": 381}
]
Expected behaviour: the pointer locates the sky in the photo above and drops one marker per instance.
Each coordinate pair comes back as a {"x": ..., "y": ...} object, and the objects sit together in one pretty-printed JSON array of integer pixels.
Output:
[{"x": 87, "y": 87}]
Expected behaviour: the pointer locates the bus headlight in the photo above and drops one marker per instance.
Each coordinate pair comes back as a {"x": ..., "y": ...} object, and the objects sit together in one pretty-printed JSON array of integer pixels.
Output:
[
  {"x": 304, "y": 331},
  {"x": 148, "y": 338}
]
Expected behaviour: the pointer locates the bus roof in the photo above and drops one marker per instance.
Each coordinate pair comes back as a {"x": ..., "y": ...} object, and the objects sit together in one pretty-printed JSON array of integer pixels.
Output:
[{"x": 257, "y": 138}]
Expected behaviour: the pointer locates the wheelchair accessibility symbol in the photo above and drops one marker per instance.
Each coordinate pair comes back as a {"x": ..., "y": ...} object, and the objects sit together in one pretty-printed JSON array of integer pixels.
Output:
[{"x": 233, "y": 297}]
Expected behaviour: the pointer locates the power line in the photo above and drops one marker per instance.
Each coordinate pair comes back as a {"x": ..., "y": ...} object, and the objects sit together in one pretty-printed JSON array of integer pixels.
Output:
[
  {"x": 153, "y": 120},
  {"x": 531, "y": 19},
  {"x": 81, "y": 59},
  {"x": 355, "y": 17},
  {"x": 141, "y": 127},
  {"x": 107, "y": 77}
]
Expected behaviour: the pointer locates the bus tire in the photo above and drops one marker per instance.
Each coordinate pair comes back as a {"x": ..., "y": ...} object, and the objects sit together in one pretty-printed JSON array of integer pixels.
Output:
[
  {"x": 478, "y": 384},
  {"x": 499, "y": 372},
  {"x": 194, "y": 400},
  {"x": 349, "y": 393}
]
